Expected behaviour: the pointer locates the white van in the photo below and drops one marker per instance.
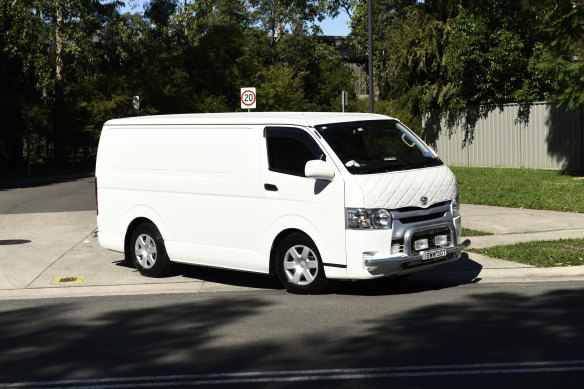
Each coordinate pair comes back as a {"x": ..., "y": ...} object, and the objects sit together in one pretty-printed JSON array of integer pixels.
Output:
[{"x": 306, "y": 196}]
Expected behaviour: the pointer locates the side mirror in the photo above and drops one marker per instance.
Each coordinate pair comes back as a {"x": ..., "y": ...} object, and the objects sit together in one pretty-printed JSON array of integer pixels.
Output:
[{"x": 319, "y": 170}]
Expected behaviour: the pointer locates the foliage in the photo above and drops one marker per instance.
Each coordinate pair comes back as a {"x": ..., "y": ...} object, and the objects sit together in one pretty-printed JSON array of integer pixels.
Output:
[
  {"x": 562, "y": 60},
  {"x": 178, "y": 56},
  {"x": 281, "y": 90},
  {"x": 451, "y": 54},
  {"x": 390, "y": 108},
  {"x": 77, "y": 63},
  {"x": 23, "y": 75}
]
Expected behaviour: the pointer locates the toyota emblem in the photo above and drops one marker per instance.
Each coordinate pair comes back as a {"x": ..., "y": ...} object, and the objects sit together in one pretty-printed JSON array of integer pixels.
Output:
[{"x": 424, "y": 200}]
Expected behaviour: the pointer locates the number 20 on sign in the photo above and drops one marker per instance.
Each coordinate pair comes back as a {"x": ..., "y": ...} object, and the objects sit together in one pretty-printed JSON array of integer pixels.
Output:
[{"x": 248, "y": 98}]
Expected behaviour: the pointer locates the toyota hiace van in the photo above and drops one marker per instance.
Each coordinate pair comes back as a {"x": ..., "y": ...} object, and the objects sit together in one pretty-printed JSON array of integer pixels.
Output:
[{"x": 304, "y": 196}]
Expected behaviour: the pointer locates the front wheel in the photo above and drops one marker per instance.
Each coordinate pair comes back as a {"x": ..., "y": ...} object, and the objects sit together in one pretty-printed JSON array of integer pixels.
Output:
[
  {"x": 299, "y": 265},
  {"x": 148, "y": 252}
]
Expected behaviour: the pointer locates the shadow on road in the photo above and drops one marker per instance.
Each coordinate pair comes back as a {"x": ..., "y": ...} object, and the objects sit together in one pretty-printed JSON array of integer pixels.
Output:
[
  {"x": 461, "y": 272},
  {"x": 138, "y": 336},
  {"x": 41, "y": 181}
]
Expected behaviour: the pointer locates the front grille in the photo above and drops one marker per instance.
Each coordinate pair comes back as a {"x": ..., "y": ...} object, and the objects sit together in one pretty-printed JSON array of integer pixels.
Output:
[
  {"x": 410, "y": 215},
  {"x": 413, "y": 223},
  {"x": 409, "y": 209},
  {"x": 423, "y": 218}
]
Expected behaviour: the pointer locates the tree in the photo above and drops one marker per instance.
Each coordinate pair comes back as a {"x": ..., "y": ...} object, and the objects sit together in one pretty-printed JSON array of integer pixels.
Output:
[
  {"x": 69, "y": 31},
  {"x": 562, "y": 60},
  {"x": 325, "y": 72},
  {"x": 448, "y": 54},
  {"x": 282, "y": 90},
  {"x": 279, "y": 17},
  {"x": 79, "y": 62},
  {"x": 160, "y": 11},
  {"x": 24, "y": 73}
]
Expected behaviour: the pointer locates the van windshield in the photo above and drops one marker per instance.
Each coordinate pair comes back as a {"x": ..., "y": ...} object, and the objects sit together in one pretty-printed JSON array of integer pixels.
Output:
[{"x": 377, "y": 146}]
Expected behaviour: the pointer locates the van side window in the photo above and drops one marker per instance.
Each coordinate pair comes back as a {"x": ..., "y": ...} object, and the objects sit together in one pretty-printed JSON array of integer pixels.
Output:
[{"x": 289, "y": 149}]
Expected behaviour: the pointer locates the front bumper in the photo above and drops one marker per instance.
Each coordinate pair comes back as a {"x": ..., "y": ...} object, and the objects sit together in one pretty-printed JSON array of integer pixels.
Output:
[{"x": 410, "y": 261}]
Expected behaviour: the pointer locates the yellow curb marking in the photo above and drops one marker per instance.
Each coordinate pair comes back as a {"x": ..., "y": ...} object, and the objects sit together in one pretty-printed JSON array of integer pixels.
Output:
[{"x": 67, "y": 280}]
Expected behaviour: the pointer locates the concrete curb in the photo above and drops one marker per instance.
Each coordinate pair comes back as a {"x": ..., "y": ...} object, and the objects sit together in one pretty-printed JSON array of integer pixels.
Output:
[{"x": 45, "y": 246}]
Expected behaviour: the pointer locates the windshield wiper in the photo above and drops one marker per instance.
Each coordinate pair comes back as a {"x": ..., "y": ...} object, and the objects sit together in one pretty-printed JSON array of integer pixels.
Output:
[
  {"x": 432, "y": 161},
  {"x": 388, "y": 166},
  {"x": 427, "y": 162}
]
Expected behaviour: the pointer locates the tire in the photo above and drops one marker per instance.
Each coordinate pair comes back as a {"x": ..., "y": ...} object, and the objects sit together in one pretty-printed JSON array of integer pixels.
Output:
[
  {"x": 299, "y": 265},
  {"x": 147, "y": 251}
]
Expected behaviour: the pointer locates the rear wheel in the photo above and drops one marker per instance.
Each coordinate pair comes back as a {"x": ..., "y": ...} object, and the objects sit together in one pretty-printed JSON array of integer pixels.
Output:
[
  {"x": 147, "y": 251},
  {"x": 299, "y": 265}
]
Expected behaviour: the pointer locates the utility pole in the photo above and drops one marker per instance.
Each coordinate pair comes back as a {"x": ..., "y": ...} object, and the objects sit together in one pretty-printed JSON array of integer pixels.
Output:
[{"x": 370, "y": 31}]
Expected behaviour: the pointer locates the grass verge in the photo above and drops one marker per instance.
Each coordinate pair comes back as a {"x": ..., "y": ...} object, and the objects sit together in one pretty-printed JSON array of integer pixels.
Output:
[
  {"x": 549, "y": 253},
  {"x": 521, "y": 188},
  {"x": 469, "y": 232}
]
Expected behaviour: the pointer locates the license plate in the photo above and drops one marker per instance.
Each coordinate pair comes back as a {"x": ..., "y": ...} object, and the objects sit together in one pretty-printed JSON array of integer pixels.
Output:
[{"x": 431, "y": 254}]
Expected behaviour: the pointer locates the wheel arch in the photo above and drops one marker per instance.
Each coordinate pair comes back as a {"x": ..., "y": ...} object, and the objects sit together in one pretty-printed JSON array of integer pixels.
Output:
[
  {"x": 131, "y": 227},
  {"x": 276, "y": 242}
]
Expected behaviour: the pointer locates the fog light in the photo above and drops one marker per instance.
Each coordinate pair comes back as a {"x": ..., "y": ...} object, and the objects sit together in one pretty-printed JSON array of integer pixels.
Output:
[
  {"x": 396, "y": 248},
  {"x": 421, "y": 244},
  {"x": 441, "y": 240}
]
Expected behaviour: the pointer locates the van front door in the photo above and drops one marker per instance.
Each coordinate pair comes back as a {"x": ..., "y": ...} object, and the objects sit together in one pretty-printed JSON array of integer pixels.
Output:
[{"x": 295, "y": 202}]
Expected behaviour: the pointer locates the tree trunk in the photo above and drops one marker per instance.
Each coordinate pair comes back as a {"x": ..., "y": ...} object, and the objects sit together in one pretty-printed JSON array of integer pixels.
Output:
[{"x": 58, "y": 127}]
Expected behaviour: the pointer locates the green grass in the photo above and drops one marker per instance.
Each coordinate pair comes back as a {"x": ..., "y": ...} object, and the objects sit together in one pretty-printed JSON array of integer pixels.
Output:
[
  {"x": 564, "y": 252},
  {"x": 521, "y": 188},
  {"x": 469, "y": 232}
]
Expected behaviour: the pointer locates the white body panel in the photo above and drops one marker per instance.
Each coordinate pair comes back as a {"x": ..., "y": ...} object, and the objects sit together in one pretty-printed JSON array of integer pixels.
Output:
[
  {"x": 201, "y": 180},
  {"x": 199, "y": 204}
]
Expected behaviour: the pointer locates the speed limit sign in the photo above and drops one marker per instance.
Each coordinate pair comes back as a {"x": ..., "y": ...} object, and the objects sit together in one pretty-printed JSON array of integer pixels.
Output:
[{"x": 248, "y": 98}]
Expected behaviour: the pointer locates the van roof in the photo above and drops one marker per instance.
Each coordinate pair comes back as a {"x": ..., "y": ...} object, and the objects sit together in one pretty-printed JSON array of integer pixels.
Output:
[{"x": 264, "y": 118}]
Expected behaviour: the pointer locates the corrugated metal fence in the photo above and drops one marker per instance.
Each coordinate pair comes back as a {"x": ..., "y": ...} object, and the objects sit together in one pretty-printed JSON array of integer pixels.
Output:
[{"x": 547, "y": 138}]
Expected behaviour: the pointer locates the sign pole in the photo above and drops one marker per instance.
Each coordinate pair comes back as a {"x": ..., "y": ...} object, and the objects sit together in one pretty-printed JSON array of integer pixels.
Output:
[
  {"x": 27, "y": 111},
  {"x": 28, "y": 144}
]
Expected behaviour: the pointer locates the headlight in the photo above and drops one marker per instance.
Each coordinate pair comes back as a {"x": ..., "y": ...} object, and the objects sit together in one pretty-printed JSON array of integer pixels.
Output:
[
  {"x": 358, "y": 218},
  {"x": 454, "y": 207},
  {"x": 381, "y": 219},
  {"x": 366, "y": 219}
]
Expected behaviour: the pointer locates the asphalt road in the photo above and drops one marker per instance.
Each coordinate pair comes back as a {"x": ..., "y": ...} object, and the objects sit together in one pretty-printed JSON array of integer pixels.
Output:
[
  {"x": 476, "y": 335},
  {"x": 60, "y": 194}
]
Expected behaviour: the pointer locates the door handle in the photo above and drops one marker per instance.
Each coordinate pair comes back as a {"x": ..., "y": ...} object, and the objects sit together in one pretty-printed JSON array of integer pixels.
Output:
[{"x": 270, "y": 187}]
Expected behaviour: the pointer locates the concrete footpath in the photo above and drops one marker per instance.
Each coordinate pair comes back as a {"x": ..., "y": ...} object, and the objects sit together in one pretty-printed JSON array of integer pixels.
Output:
[{"x": 45, "y": 255}]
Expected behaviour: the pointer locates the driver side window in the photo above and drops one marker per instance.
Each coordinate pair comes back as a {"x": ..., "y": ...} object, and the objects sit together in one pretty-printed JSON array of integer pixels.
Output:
[{"x": 289, "y": 149}]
